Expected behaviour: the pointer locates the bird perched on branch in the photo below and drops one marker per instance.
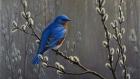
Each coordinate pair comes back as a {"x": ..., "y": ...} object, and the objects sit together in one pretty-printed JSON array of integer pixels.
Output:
[{"x": 52, "y": 36}]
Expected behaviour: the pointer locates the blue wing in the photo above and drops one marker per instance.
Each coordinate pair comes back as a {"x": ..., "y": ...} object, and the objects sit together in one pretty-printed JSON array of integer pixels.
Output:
[
  {"x": 42, "y": 45},
  {"x": 58, "y": 34},
  {"x": 50, "y": 37},
  {"x": 43, "y": 42}
]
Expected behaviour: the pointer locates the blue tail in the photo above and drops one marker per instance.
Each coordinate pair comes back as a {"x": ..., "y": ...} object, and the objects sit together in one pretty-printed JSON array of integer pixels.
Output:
[{"x": 36, "y": 59}]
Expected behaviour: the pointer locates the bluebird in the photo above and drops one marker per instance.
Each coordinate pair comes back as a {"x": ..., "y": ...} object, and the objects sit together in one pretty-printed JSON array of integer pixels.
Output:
[{"x": 53, "y": 36}]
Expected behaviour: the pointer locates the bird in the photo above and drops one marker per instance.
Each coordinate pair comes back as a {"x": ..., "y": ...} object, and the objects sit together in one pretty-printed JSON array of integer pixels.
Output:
[{"x": 52, "y": 36}]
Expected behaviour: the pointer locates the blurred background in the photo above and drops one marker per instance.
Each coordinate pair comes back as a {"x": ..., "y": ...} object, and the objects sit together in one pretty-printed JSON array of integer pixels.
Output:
[{"x": 84, "y": 38}]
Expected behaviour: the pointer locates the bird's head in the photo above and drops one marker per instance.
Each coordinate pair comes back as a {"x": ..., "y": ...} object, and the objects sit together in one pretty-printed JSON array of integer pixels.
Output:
[{"x": 62, "y": 19}]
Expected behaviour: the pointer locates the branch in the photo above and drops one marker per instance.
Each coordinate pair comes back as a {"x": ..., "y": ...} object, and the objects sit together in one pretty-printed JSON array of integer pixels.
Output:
[
  {"x": 118, "y": 34},
  {"x": 27, "y": 16},
  {"x": 64, "y": 72},
  {"x": 104, "y": 17},
  {"x": 118, "y": 31},
  {"x": 78, "y": 64}
]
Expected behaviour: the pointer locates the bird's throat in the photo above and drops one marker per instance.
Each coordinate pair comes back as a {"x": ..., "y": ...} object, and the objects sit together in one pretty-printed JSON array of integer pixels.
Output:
[{"x": 66, "y": 25}]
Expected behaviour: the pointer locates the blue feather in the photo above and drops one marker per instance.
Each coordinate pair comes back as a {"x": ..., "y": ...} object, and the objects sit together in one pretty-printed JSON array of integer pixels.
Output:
[
  {"x": 51, "y": 36},
  {"x": 36, "y": 59}
]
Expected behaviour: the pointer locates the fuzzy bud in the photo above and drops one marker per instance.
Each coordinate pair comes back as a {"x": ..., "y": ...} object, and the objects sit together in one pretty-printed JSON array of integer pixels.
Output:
[
  {"x": 28, "y": 14},
  {"x": 120, "y": 8},
  {"x": 44, "y": 64},
  {"x": 102, "y": 10},
  {"x": 119, "y": 19},
  {"x": 76, "y": 59},
  {"x": 114, "y": 36},
  {"x": 128, "y": 76},
  {"x": 112, "y": 51},
  {"x": 45, "y": 59},
  {"x": 111, "y": 58},
  {"x": 26, "y": 23},
  {"x": 102, "y": 2},
  {"x": 31, "y": 21},
  {"x": 117, "y": 30},
  {"x": 59, "y": 72},
  {"x": 24, "y": 3},
  {"x": 109, "y": 35},
  {"x": 23, "y": 14},
  {"x": 120, "y": 35},
  {"x": 14, "y": 30},
  {"x": 71, "y": 58},
  {"x": 62, "y": 67},
  {"x": 122, "y": 30},
  {"x": 116, "y": 23},
  {"x": 105, "y": 17},
  {"x": 121, "y": 14},
  {"x": 37, "y": 41},
  {"x": 23, "y": 27},
  {"x": 14, "y": 23},
  {"x": 124, "y": 57},
  {"x": 121, "y": 1},
  {"x": 105, "y": 44},
  {"x": 19, "y": 71},
  {"x": 123, "y": 71},
  {"x": 122, "y": 19},
  {"x": 57, "y": 64},
  {"x": 117, "y": 50},
  {"x": 98, "y": 10},
  {"x": 112, "y": 25},
  {"x": 121, "y": 62},
  {"x": 105, "y": 34},
  {"x": 108, "y": 65},
  {"x": 124, "y": 48},
  {"x": 97, "y": 2}
]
